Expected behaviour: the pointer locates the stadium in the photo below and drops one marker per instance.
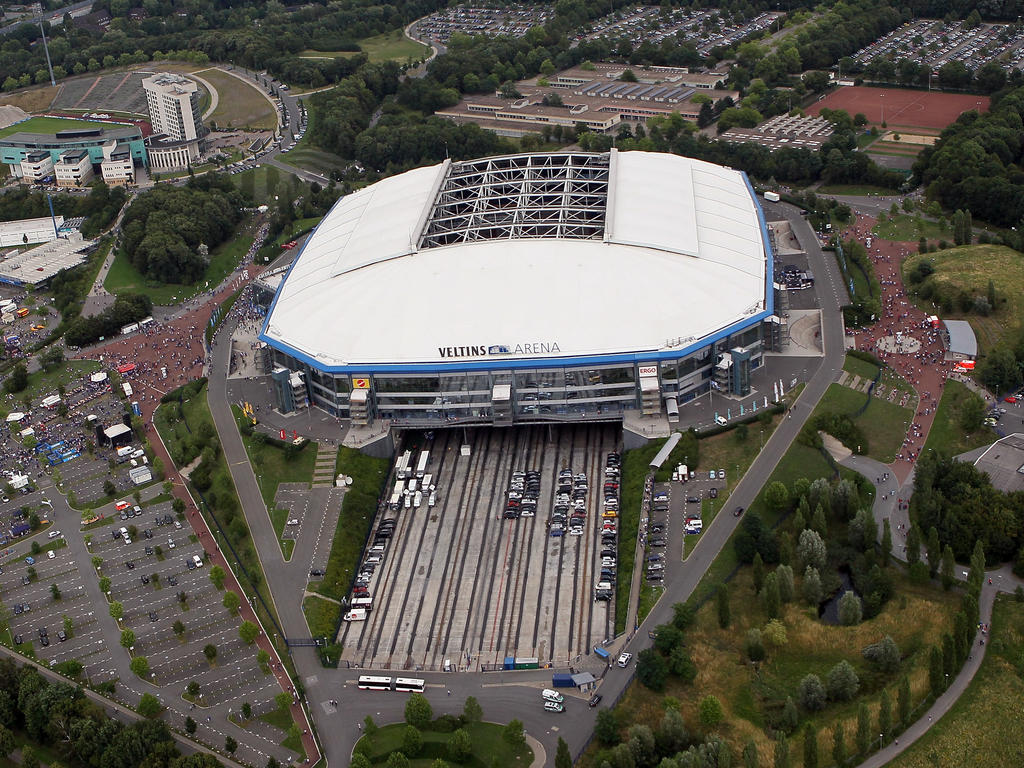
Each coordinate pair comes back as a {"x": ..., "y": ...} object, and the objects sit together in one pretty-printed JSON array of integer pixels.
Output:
[{"x": 564, "y": 286}]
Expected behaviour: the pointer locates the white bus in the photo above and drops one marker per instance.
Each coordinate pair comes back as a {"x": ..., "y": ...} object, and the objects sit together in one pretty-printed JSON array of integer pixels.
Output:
[
  {"x": 402, "y": 468},
  {"x": 421, "y": 467},
  {"x": 371, "y": 683},
  {"x": 409, "y": 684},
  {"x": 127, "y": 389},
  {"x": 396, "y": 498},
  {"x": 365, "y": 603}
]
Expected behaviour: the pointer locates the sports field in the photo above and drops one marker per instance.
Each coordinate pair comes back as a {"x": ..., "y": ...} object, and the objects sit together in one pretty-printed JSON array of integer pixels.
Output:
[
  {"x": 50, "y": 125},
  {"x": 388, "y": 46},
  {"x": 898, "y": 107}
]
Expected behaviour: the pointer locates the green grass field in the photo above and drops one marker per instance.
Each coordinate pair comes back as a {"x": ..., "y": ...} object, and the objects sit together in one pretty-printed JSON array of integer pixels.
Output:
[
  {"x": 51, "y": 125},
  {"x": 41, "y": 383},
  {"x": 946, "y": 435},
  {"x": 903, "y": 227},
  {"x": 239, "y": 105},
  {"x": 298, "y": 226},
  {"x": 883, "y": 423},
  {"x": 859, "y": 367},
  {"x": 321, "y": 616},
  {"x": 489, "y": 748},
  {"x": 865, "y": 190},
  {"x": 310, "y": 159},
  {"x": 986, "y": 724},
  {"x": 970, "y": 267},
  {"x": 393, "y": 45},
  {"x": 123, "y": 277}
]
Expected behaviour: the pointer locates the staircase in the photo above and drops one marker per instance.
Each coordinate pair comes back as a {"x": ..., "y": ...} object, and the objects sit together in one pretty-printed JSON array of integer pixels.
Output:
[{"x": 323, "y": 471}]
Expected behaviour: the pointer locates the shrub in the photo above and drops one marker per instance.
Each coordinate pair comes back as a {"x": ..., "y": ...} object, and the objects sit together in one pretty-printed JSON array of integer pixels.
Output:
[{"x": 842, "y": 682}]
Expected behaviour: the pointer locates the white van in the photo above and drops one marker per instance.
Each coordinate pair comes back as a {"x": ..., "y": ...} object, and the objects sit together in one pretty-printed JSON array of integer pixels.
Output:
[
  {"x": 53, "y": 534},
  {"x": 549, "y": 695},
  {"x": 356, "y": 614},
  {"x": 720, "y": 421},
  {"x": 197, "y": 561}
]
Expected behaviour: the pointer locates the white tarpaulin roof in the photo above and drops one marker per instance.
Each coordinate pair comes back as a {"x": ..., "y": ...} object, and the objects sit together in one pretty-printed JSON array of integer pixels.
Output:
[
  {"x": 682, "y": 257},
  {"x": 16, "y": 416}
]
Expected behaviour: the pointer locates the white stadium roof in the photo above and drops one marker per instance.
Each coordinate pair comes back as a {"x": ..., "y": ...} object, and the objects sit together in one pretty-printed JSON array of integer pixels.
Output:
[{"x": 561, "y": 255}]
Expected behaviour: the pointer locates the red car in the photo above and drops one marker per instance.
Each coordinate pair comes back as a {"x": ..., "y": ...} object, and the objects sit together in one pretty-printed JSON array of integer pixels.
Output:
[{"x": 1011, "y": 399}]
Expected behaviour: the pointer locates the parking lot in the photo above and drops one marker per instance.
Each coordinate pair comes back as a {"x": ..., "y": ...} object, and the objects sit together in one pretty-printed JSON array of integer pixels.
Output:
[
  {"x": 37, "y": 620},
  {"x": 932, "y": 43},
  {"x": 512, "y": 20},
  {"x": 459, "y": 582},
  {"x": 148, "y": 577}
]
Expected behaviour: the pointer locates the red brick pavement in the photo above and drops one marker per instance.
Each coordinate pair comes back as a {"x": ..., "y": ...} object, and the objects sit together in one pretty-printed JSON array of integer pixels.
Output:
[{"x": 925, "y": 369}]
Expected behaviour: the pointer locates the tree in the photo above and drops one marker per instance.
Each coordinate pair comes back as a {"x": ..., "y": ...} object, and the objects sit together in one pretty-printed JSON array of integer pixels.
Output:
[
  {"x": 230, "y": 745},
  {"x": 886, "y": 542},
  {"x": 913, "y": 544},
  {"x": 903, "y": 701},
  {"x": 109, "y": 489},
  {"x": 774, "y": 633},
  {"x": 418, "y": 711},
  {"x": 472, "y": 710},
  {"x": 179, "y": 628},
  {"x": 758, "y": 573},
  {"x": 842, "y": 682},
  {"x": 790, "y": 717},
  {"x": 190, "y": 726},
  {"x": 412, "y": 741},
  {"x": 722, "y": 603},
  {"x": 116, "y": 610},
  {"x": 149, "y": 706},
  {"x": 140, "y": 666},
  {"x": 681, "y": 665},
  {"x": 104, "y": 584},
  {"x": 850, "y": 609},
  {"x": 55, "y": 591},
  {"x": 217, "y": 576},
  {"x": 7, "y": 743},
  {"x": 812, "y": 693},
  {"x": 936, "y": 677},
  {"x": 248, "y": 631},
  {"x": 192, "y": 689},
  {"x": 246, "y": 710},
  {"x": 884, "y": 655},
  {"x": 812, "y": 586},
  {"x": 810, "y": 549},
  {"x": 751, "y": 758},
  {"x": 810, "y": 746},
  {"x": 776, "y": 496},
  {"x": 563, "y": 759},
  {"x": 513, "y": 733},
  {"x": 127, "y": 638},
  {"x": 210, "y": 652},
  {"x": 710, "y": 711},
  {"x": 606, "y": 728},
  {"x": 232, "y": 601},
  {"x": 863, "y": 729},
  {"x": 885, "y": 715},
  {"x": 948, "y": 578},
  {"x": 672, "y": 735},
  {"x": 839, "y": 744},
  {"x": 754, "y": 645},
  {"x": 781, "y": 756},
  {"x": 784, "y": 573},
  {"x": 29, "y": 758},
  {"x": 651, "y": 669},
  {"x": 460, "y": 746},
  {"x": 369, "y": 727},
  {"x": 18, "y": 380},
  {"x": 770, "y": 596}
]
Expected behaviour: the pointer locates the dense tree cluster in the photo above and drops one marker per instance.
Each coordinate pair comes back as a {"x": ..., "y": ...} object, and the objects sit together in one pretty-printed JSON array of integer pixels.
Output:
[
  {"x": 164, "y": 228},
  {"x": 127, "y": 308},
  {"x": 960, "y": 501},
  {"x": 99, "y": 207},
  {"x": 59, "y": 717},
  {"x": 975, "y": 164}
]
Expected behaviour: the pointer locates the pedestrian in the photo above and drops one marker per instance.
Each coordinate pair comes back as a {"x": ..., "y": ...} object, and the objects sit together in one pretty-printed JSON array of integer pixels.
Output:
[{"x": 449, "y": 693}]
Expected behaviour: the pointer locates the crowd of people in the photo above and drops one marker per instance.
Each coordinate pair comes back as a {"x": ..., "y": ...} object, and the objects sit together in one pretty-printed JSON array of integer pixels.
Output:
[{"x": 922, "y": 363}]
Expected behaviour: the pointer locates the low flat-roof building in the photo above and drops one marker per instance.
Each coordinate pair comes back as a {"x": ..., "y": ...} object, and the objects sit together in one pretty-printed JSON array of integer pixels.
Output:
[
  {"x": 168, "y": 154},
  {"x": 37, "y": 265},
  {"x": 785, "y": 131},
  {"x": 26, "y": 231},
  {"x": 1003, "y": 462}
]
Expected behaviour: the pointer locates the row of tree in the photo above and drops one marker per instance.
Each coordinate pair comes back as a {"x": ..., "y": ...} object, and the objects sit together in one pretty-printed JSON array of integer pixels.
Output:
[{"x": 127, "y": 308}]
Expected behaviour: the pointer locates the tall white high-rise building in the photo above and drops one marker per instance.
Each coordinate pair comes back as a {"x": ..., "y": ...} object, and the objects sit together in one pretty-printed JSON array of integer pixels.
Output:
[{"x": 174, "y": 106}]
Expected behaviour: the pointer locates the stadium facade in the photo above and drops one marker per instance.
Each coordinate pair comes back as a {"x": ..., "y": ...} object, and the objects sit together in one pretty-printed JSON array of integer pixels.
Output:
[{"x": 560, "y": 286}]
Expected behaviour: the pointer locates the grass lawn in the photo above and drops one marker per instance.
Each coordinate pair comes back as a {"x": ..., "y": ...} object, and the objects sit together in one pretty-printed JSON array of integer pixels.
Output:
[
  {"x": 393, "y": 45},
  {"x": 883, "y": 423},
  {"x": 904, "y": 227},
  {"x": 41, "y": 383},
  {"x": 272, "y": 467},
  {"x": 859, "y": 367},
  {"x": 489, "y": 748},
  {"x": 986, "y": 725},
  {"x": 969, "y": 268},
  {"x": 123, "y": 277},
  {"x": 321, "y": 616},
  {"x": 358, "y": 508},
  {"x": 649, "y": 597},
  {"x": 240, "y": 104},
  {"x": 635, "y": 466},
  {"x": 311, "y": 159},
  {"x": 35, "y": 99},
  {"x": 51, "y": 125},
  {"x": 946, "y": 435},
  {"x": 297, "y": 227}
]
